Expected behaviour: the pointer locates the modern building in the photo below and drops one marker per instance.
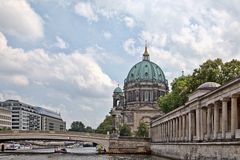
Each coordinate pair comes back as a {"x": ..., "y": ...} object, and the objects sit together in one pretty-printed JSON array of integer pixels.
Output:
[
  {"x": 51, "y": 121},
  {"x": 24, "y": 116},
  {"x": 5, "y": 118},
  {"x": 137, "y": 102},
  {"x": 28, "y": 117}
]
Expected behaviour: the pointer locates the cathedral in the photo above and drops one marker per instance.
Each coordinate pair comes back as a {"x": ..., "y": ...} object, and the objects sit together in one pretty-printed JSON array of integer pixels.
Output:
[{"x": 137, "y": 102}]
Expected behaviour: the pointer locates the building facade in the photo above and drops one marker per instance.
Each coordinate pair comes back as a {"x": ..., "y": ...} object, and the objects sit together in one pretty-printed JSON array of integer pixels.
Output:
[
  {"x": 5, "y": 118},
  {"x": 24, "y": 116},
  {"x": 28, "y": 117},
  {"x": 211, "y": 114},
  {"x": 137, "y": 102},
  {"x": 51, "y": 121}
]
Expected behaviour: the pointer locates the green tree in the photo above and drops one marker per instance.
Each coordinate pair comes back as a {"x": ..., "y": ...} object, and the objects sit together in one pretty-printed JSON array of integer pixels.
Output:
[
  {"x": 178, "y": 96},
  {"x": 77, "y": 126},
  {"x": 209, "y": 71},
  {"x": 142, "y": 130},
  {"x": 5, "y": 129},
  {"x": 125, "y": 130},
  {"x": 89, "y": 129},
  {"x": 105, "y": 126},
  {"x": 231, "y": 70}
]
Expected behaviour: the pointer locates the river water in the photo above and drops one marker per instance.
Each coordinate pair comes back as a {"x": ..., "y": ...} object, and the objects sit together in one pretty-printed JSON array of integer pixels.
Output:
[{"x": 86, "y": 153}]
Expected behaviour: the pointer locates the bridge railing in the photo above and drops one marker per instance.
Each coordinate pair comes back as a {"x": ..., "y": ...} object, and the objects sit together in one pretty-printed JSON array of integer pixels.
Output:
[{"x": 56, "y": 132}]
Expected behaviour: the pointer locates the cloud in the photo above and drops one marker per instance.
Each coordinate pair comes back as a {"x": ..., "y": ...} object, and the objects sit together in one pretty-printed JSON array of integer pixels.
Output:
[
  {"x": 61, "y": 43},
  {"x": 85, "y": 10},
  {"x": 129, "y": 22},
  {"x": 75, "y": 77},
  {"x": 7, "y": 94},
  {"x": 129, "y": 46},
  {"x": 78, "y": 70},
  {"x": 107, "y": 35},
  {"x": 179, "y": 33},
  {"x": 19, "y": 19}
]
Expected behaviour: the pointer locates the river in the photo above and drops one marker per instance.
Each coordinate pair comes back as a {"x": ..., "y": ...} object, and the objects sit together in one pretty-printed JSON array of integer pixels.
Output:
[{"x": 86, "y": 153}]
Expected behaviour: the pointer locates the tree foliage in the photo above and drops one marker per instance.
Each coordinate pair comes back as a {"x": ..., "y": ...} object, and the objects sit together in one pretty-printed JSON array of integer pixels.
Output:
[
  {"x": 5, "y": 129},
  {"x": 142, "y": 130},
  {"x": 78, "y": 126},
  {"x": 178, "y": 96},
  {"x": 125, "y": 130},
  {"x": 105, "y": 126},
  {"x": 210, "y": 71}
]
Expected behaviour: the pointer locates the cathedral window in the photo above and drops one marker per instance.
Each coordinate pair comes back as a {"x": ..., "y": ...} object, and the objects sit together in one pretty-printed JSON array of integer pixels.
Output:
[{"x": 146, "y": 96}]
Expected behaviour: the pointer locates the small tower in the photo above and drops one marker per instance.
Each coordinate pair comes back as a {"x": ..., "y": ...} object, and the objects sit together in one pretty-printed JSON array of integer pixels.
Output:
[
  {"x": 118, "y": 103},
  {"x": 118, "y": 97}
]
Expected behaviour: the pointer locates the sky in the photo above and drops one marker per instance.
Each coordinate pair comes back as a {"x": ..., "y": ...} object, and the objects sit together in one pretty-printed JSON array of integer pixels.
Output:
[{"x": 69, "y": 55}]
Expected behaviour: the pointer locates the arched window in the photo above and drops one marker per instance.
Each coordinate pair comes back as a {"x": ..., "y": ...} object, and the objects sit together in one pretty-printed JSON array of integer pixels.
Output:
[
  {"x": 151, "y": 96},
  {"x": 134, "y": 96},
  {"x": 146, "y": 95}
]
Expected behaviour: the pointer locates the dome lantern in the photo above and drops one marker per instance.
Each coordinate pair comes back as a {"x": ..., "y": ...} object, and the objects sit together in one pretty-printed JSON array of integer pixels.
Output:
[{"x": 145, "y": 54}]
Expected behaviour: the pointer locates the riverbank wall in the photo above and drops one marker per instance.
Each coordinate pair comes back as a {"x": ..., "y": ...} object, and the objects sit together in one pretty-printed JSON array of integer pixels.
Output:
[
  {"x": 198, "y": 151},
  {"x": 129, "y": 145}
]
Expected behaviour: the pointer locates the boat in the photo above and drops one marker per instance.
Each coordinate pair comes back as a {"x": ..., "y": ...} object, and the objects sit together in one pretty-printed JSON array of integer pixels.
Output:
[
  {"x": 12, "y": 146},
  {"x": 60, "y": 150}
]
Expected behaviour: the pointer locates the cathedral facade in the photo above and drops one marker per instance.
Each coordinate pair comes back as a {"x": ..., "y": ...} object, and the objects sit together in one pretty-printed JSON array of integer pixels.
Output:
[{"x": 137, "y": 102}]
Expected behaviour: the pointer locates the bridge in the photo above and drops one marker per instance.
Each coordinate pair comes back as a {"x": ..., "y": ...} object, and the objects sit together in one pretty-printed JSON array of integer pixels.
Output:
[
  {"x": 100, "y": 139},
  {"x": 110, "y": 144}
]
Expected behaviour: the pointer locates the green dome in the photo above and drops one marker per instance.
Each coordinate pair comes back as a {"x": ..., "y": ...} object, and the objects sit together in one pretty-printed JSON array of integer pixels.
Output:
[
  {"x": 146, "y": 71},
  {"x": 117, "y": 90}
]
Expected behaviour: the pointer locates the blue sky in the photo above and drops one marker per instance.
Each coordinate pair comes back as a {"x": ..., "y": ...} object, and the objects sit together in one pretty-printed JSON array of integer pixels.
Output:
[{"x": 69, "y": 55}]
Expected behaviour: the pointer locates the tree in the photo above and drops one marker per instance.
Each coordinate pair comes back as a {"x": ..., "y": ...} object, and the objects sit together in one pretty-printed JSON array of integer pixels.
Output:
[
  {"x": 105, "y": 126},
  {"x": 178, "y": 96},
  {"x": 77, "y": 126},
  {"x": 142, "y": 130},
  {"x": 231, "y": 70},
  {"x": 5, "y": 129},
  {"x": 125, "y": 130},
  {"x": 89, "y": 129},
  {"x": 209, "y": 71}
]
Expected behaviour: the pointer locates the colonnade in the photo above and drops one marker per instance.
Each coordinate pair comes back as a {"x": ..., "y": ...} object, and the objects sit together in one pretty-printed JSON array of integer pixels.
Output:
[{"x": 217, "y": 120}]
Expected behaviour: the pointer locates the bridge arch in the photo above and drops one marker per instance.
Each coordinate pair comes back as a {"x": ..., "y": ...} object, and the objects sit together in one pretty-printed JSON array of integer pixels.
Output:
[{"x": 100, "y": 139}]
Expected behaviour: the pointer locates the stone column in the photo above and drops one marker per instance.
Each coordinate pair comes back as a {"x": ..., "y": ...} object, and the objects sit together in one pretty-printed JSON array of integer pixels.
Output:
[
  {"x": 168, "y": 130},
  {"x": 162, "y": 132},
  {"x": 190, "y": 126},
  {"x": 203, "y": 122},
  {"x": 177, "y": 128},
  {"x": 198, "y": 124},
  {"x": 234, "y": 118},
  {"x": 224, "y": 117},
  {"x": 171, "y": 130},
  {"x": 209, "y": 123},
  {"x": 183, "y": 127},
  {"x": 158, "y": 132},
  {"x": 216, "y": 120},
  {"x": 174, "y": 129},
  {"x": 180, "y": 128}
]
